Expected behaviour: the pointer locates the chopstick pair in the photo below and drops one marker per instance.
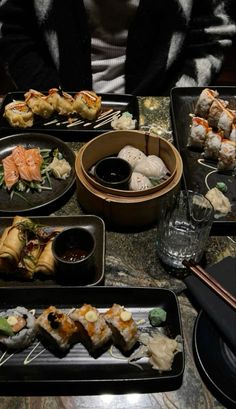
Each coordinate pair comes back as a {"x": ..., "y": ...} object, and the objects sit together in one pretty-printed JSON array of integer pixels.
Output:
[{"x": 210, "y": 282}]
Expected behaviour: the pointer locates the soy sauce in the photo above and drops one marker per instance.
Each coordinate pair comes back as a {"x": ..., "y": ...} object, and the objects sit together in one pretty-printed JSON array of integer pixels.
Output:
[{"x": 74, "y": 254}]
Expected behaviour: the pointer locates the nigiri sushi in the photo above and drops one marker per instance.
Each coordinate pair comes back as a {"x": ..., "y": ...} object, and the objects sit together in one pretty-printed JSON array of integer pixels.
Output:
[
  {"x": 93, "y": 331},
  {"x": 17, "y": 328},
  {"x": 123, "y": 327}
]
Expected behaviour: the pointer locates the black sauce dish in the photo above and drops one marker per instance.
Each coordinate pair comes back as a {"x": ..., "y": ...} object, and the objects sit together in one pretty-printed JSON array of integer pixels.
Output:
[
  {"x": 73, "y": 251},
  {"x": 113, "y": 172}
]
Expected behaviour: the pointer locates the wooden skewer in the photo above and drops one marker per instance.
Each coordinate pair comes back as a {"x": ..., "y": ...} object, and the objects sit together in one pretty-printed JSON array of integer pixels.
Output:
[{"x": 210, "y": 282}]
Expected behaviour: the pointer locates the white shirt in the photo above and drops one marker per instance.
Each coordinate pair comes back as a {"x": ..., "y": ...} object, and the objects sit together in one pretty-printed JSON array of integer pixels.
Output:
[{"x": 109, "y": 22}]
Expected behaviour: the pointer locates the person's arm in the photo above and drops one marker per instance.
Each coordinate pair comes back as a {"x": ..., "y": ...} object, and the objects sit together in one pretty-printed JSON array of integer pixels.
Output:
[
  {"x": 211, "y": 32},
  {"x": 22, "y": 47}
]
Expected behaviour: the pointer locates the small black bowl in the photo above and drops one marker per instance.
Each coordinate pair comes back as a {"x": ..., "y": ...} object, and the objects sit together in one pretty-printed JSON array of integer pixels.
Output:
[
  {"x": 113, "y": 172},
  {"x": 73, "y": 251}
]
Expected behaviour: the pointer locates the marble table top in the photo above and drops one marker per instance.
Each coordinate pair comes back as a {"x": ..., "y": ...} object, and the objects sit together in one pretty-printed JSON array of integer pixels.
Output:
[{"x": 131, "y": 260}]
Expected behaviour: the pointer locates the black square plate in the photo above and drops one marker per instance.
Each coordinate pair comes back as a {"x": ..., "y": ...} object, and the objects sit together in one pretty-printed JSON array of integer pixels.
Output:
[
  {"x": 117, "y": 102},
  {"x": 183, "y": 101},
  {"x": 78, "y": 373},
  {"x": 93, "y": 223}
]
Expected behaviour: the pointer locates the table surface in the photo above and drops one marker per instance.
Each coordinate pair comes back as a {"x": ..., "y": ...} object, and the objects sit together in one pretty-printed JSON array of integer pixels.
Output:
[{"x": 131, "y": 260}]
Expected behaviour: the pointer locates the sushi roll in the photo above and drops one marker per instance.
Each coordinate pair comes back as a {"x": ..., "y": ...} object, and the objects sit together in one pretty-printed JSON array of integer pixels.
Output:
[
  {"x": 93, "y": 331},
  {"x": 18, "y": 114},
  {"x": 232, "y": 136},
  {"x": 61, "y": 101},
  {"x": 198, "y": 132},
  {"x": 204, "y": 102},
  {"x": 212, "y": 145},
  {"x": 227, "y": 155},
  {"x": 216, "y": 110},
  {"x": 17, "y": 328},
  {"x": 56, "y": 330},
  {"x": 38, "y": 103},
  {"x": 87, "y": 104},
  {"x": 226, "y": 120},
  {"x": 123, "y": 327}
]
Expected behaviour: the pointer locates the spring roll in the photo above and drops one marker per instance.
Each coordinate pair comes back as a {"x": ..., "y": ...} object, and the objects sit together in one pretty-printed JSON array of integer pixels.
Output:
[
  {"x": 45, "y": 264},
  {"x": 12, "y": 245},
  {"x": 29, "y": 258}
]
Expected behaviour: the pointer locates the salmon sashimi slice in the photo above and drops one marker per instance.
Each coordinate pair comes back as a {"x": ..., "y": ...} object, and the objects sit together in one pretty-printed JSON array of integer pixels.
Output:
[
  {"x": 34, "y": 161},
  {"x": 18, "y": 155},
  {"x": 11, "y": 174}
]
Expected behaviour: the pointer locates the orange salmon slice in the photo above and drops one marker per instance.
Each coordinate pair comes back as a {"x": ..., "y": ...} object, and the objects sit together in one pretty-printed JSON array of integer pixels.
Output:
[
  {"x": 11, "y": 174},
  {"x": 34, "y": 161},
  {"x": 18, "y": 155}
]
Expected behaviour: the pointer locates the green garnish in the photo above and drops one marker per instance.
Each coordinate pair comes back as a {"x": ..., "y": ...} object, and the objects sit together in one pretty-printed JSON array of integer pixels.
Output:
[
  {"x": 157, "y": 316},
  {"x": 5, "y": 328}
]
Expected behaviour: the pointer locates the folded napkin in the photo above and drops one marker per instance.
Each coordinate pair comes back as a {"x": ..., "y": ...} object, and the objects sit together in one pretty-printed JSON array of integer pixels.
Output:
[{"x": 222, "y": 314}]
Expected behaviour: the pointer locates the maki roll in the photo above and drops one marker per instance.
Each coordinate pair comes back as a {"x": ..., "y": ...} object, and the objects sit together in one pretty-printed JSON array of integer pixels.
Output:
[
  {"x": 204, "y": 102},
  {"x": 123, "y": 327},
  {"x": 18, "y": 114},
  {"x": 87, "y": 104},
  {"x": 56, "y": 329},
  {"x": 226, "y": 120},
  {"x": 198, "y": 132},
  {"x": 232, "y": 135},
  {"x": 227, "y": 155},
  {"x": 38, "y": 103},
  {"x": 216, "y": 110},
  {"x": 17, "y": 328},
  {"x": 93, "y": 331},
  {"x": 212, "y": 145},
  {"x": 61, "y": 101}
]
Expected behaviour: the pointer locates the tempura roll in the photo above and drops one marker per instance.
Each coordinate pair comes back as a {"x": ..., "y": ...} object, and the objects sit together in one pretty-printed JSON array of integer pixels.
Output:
[
  {"x": 227, "y": 155},
  {"x": 14, "y": 242},
  {"x": 226, "y": 121},
  {"x": 38, "y": 103},
  {"x": 56, "y": 330},
  {"x": 198, "y": 132},
  {"x": 204, "y": 102},
  {"x": 232, "y": 136},
  {"x": 123, "y": 327},
  {"x": 61, "y": 101},
  {"x": 216, "y": 110},
  {"x": 93, "y": 330},
  {"x": 87, "y": 104},
  {"x": 18, "y": 114},
  {"x": 212, "y": 145}
]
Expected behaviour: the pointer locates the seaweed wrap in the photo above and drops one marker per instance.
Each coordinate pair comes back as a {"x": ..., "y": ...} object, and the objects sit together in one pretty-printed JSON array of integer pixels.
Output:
[
  {"x": 17, "y": 328},
  {"x": 124, "y": 329}
]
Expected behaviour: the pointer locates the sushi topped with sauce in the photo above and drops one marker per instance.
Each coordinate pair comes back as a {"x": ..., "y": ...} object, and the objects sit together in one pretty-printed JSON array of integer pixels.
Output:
[
  {"x": 17, "y": 328},
  {"x": 56, "y": 329},
  {"x": 124, "y": 329},
  {"x": 92, "y": 328}
]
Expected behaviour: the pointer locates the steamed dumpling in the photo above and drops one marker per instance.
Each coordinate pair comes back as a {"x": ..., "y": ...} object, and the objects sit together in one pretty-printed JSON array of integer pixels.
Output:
[
  {"x": 151, "y": 166},
  {"x": 139, "y": 182},
  {"x": 131, "y": 155}
]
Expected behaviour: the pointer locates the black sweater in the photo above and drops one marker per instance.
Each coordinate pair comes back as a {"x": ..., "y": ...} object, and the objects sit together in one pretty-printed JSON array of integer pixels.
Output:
[{"x": 46, "y": 43}]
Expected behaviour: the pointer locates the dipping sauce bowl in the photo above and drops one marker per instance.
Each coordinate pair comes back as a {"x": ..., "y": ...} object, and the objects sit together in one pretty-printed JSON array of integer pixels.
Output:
[
  {"x": 73, "y": 252},
  {"x": 113, "y": 172}
]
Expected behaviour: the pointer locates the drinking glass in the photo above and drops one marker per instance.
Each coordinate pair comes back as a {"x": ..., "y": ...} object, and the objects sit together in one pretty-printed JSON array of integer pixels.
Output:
[{"x": 184, "y": 228}]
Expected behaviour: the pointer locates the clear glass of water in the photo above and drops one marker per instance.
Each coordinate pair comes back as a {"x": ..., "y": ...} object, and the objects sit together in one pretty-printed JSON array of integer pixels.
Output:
[{"x": 184, "y": 228}]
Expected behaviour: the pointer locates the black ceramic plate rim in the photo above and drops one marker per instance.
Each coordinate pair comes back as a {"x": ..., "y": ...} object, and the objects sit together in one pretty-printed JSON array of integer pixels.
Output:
[
  {"x": 212, "y": 381},
  {"x": 124, "y": 101},
  {"x": 221, "y": 226},
  {"x": 68, "y": 221},
  {"x": 49, "y": 140}
]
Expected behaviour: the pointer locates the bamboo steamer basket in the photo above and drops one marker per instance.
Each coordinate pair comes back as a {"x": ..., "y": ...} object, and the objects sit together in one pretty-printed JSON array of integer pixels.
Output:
[
  {"x": 110, "y": 143},
  {"x": 120, "y": 210}
]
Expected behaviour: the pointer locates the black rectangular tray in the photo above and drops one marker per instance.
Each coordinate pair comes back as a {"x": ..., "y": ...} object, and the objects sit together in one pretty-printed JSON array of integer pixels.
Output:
[
  {"x": 78, "y": 373},
  {"x": 183, "y": 101},
  {"x": 93, "y": 223},
  {"x": 121, "y": 102}
]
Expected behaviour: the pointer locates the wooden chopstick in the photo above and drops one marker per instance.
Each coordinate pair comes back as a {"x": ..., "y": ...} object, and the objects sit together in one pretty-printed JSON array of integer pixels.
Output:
[{"x": 210, "y": 282}]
